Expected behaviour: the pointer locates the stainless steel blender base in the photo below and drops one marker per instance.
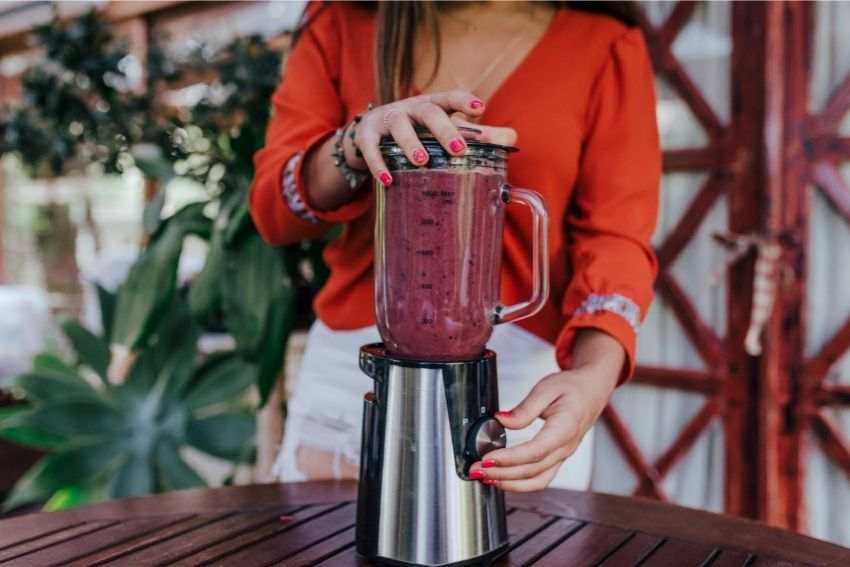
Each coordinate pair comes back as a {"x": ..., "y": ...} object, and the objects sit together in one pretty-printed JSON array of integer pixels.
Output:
[{"x": 423, "y": 427}]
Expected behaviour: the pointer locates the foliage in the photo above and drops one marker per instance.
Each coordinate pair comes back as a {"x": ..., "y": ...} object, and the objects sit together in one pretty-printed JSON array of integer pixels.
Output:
[
  {"x": 256, "y": 292},
  {"x": 106, "y": 440},
  {"x": 112, "y": 441},
  {"x": 78, "y": 106},
  {"x": 79, "y": 109}
]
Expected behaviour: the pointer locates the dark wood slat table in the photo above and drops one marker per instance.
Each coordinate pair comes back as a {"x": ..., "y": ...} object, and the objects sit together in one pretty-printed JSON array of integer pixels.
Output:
[{"x": 296, "y": 525}]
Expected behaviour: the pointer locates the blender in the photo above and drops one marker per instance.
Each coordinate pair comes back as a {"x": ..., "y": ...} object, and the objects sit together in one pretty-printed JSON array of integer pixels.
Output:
[{"x": 430, "y": 415}]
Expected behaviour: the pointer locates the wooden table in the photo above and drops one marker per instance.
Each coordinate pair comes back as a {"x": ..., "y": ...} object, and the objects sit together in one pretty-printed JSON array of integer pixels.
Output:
[{"x": 312, "y": 524}]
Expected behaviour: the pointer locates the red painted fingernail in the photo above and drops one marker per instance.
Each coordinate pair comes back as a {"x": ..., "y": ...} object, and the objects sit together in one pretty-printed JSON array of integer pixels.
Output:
[
  {"x": 457, "y": 145},
  {"x": 476, "y": 104},
  {"x": 504, "y": 414},
  {"x": 419, "y": 156},
  {"x": 490, "y": 481},
  {"x": 476, "y": 475},
  {"x": 488, "y": 463},
  {"x": 385, "y": 178}
]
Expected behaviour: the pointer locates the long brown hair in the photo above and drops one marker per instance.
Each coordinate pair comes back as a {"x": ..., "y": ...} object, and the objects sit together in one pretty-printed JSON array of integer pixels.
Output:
[{"x": 398, "y": 21}]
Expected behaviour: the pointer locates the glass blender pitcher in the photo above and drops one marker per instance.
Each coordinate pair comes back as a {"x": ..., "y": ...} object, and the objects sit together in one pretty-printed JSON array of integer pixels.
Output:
[{"x": 438, "y": 251}]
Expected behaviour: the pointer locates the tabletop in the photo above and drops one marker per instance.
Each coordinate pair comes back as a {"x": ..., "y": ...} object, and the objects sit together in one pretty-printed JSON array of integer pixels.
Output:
[{"x": 312, "y": 523}]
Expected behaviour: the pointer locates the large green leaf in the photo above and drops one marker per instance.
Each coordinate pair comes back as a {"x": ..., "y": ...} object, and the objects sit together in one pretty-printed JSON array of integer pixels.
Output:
[
  {"x": 240, "y": 221},
  {"x": 26, "y": 436},
  {"x": 44, "y": 386},
  {"x": 270, "y": 362},
  {"x": 222, "y": 378},
  {"x": 30, "y": 488},
  {"x": 106, "y": 300},
  {"x": 148, "y": 290},
  {"x": 252, "y": 283},
  {"x": 81, "y": 419},
  {"x": 46, "y": 363},
  {"x": 134, "y": 477},
  {"x": 172, "y": 471},
  {"x": 74, "y": 466},
  {"x": 68, "y": 497},
  {"x": 205, "y": 291},
  {"x": 172, "y": 350},
  {"x": 152, "y": 282},
  {"x": 152, "y": 215},
  {"x": 226, "y": 435},
  {"x": 91, "y": 350}
]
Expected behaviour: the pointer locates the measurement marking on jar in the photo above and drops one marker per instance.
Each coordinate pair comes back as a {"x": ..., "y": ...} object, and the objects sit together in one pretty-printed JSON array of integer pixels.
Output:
[
  {"x": 424, "y": 252},
  {"x": 426, "y": 286},
  {"x": 426, "y": 222},
  {"x": 430, "y": 193},
  {"x": 427, "y": 321}
]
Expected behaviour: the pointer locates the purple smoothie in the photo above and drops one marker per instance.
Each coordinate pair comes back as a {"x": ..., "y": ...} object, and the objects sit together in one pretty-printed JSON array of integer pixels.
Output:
[{"x": 437, "y": 262}]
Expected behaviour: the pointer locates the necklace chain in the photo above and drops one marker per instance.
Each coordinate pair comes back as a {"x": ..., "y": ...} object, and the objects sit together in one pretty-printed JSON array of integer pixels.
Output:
[{"x": 494, "y": 64}]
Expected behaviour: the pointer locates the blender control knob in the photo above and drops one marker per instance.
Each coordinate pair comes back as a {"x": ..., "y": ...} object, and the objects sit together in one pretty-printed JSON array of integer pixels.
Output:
[{"x": 486, "y": 435}]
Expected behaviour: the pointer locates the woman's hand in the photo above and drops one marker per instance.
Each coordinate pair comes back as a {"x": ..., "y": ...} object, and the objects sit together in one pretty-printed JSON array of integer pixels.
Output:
[
  {"x": 441, "y": 113},
  {"x": 569, "y": 402}
]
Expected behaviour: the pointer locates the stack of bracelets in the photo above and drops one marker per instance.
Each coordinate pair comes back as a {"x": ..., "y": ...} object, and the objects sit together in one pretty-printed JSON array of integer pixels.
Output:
[{"x": 354, "y": 177}]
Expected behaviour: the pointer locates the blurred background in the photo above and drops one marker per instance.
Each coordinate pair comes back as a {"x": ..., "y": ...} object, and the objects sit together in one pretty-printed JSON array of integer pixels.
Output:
[{"x": 143, "y": 349}]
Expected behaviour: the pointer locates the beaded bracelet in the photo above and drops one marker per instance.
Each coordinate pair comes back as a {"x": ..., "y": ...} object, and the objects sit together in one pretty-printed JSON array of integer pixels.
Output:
[{"x": 354, "y": 177}]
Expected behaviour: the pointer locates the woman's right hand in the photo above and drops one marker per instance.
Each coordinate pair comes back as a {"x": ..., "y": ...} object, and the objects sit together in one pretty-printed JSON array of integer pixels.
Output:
[{"x": 441, "y": 113}]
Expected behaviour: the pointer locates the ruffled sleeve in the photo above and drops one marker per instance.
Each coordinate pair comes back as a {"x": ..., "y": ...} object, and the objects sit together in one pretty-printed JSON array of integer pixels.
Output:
[
  {"x": 307, "y": 109},
  {"x": 615, "y": 204}
]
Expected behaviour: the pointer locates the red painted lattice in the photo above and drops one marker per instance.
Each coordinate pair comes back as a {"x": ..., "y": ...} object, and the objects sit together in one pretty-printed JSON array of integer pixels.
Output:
[{"x": 713, "y": 158}]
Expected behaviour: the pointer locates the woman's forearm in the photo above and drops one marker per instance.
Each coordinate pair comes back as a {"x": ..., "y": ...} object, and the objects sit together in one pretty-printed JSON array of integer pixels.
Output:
[
  {"x": 599, "y": 350},
  {"x": 325, "y": 186}
]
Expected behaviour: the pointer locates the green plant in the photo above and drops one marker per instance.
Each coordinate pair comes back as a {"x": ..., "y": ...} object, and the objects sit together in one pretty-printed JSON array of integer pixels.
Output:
[
  {"x": 78, "y": 111},
  {"x": 258, "y": 293},
  {"x": 111, "y": 441},
  {"x": 79, "y": 108}
]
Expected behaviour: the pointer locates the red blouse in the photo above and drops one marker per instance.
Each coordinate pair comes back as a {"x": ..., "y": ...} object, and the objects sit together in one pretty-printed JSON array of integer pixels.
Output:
[{"x": 583, "y": 105}]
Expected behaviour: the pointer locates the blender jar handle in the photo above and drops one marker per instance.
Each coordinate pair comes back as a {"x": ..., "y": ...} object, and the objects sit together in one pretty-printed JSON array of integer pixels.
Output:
[{"x": 539, "y": 255}]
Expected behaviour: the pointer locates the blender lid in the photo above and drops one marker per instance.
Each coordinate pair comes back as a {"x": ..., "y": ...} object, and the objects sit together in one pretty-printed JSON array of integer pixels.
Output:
[{"x": 430, "y": 142}]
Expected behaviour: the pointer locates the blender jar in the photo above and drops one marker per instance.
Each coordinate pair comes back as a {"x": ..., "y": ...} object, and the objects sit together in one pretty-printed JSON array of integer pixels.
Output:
[{"x": 438, "y": 251}]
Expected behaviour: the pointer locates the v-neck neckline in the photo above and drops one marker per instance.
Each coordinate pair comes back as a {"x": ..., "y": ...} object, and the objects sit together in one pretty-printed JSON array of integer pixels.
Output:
[
  {"x": 517, "y": 71},
  {"x": 524, "y": 62}
]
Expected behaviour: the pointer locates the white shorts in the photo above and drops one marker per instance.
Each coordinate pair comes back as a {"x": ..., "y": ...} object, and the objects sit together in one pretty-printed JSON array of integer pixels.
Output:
[{"x": 326, "y": 407}]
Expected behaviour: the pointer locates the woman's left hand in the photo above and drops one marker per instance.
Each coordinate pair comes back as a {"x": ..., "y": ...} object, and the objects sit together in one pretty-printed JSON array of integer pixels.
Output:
[{"x": 569, "y": 401}]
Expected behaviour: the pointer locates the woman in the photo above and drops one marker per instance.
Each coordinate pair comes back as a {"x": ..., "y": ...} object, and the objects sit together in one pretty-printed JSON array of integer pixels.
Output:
[{"x": 574, "y": 90}]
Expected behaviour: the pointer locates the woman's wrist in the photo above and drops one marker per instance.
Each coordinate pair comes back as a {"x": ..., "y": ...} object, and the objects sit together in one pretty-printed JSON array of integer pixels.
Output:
[
  {"x": 598, "y": 352},
  {"x": 353, "y": 158},
  {"x": 325, "y": 187}
]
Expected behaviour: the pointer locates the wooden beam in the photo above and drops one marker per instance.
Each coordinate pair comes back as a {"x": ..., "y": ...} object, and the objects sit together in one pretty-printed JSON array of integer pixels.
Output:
[
  {"x": 834, "y": 395},
  {"x": 831, "y": 183},
  {"x": 648, "y": 478},
  {"x": 686, "y": 227},
  {"x": 706, "y": 341},
  {"x": 678, "y": 379},
  {"x": 17, "y": 21},
  {"x": 679, "y": 79},
  {"x": 827, "y": 147},
  {"x": 784, "y": 386},
  {"x": 837, "y": 106},
  {"x": 818, "y": 366},
  {"x": 710, "y": 158},
  {"x": 833, "y": 441},
  {"x": 676, "y": 22}
]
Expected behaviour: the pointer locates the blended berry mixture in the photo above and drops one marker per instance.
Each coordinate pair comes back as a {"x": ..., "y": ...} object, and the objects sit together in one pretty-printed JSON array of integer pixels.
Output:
[{"x": 437, "y": 262}]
